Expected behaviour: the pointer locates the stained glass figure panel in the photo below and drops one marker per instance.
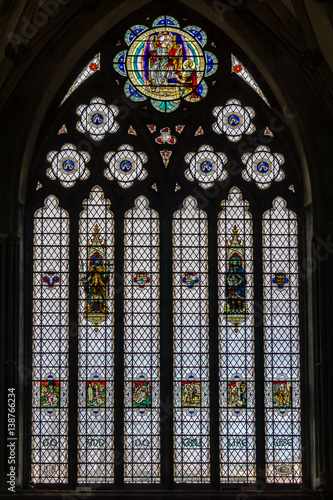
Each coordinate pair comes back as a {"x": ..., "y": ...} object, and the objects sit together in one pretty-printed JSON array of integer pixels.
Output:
[
  {"x": 142, "y": 344},
  {"x": 236, "y": 341},
  {"x": 191, "y": 425},
  {"x": 96, "y": 341},
  {"x": 281, "y": 345},
  {"x": 49, "y": 456}
]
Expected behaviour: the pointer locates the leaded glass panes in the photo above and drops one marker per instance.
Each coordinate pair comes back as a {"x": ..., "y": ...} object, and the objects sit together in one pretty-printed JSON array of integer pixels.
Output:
[
  {"x": 96, "y": 341},
  {"x": 191, "y": 427},
  {"x": 141, "y": 344},
  {"x": 162, "y": 64},
  {"x": 49, "y": 457},
  {"x": 238, "y": 68},
  {"x": 236, "y": 340},
  {"x": 93, "y": 66},
  {"x": 281, "y": 344}
]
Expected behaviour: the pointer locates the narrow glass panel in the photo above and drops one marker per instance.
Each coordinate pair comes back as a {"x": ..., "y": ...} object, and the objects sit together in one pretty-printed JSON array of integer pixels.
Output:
[
  {"x": 50, "y": 344},
  {"x": 142, "y": 345},
  {"x": 96, "y": 338},
  {"x": 281, "y": 344},
  {"x": 236, "y": 342},
  {"x": 190, "y": 343}
]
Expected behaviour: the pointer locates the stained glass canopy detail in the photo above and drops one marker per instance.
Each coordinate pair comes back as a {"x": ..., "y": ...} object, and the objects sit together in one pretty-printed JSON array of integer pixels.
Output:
[{"x": 165, "y": 64}]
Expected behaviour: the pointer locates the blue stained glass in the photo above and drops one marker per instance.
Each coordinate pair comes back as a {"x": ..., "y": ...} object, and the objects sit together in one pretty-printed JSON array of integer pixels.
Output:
[
  {"x": 206, "y": 166},
  {"x": 262, "y": 166},
  {"x": 133, "y": 92},
  {"x": 210, "y": 64},
  {"x": 135, "y": 33},
  {"x": 233, "y": 120},
  {"x": 119, "y": 63},
  {"x": 97, "y": 119},
  {"x": 197, "y": 34},
  {"x": 125, "y": 166},
  {"x": 165, "y": 21},
  {"x": 68, "y": 165}
]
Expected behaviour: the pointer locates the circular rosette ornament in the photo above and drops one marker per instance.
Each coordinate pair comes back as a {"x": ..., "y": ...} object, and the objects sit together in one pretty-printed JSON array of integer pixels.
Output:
[
  {"x": 165, "y": 63},
  {"x": 206, "y": 166},
  {"x": 97, "y": 118},
  {"x": 125, "y": 165},
  {"x": 263, "y": 167},
  {"x": 233, "y": 119},
  {"x": 68, "y": 165}
]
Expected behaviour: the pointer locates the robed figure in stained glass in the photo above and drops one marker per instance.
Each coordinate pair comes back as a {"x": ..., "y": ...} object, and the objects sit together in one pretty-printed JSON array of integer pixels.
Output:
[
  {"x": 96, "y": 281},
  {"x": 165, "y": 59},
  {"x": 236, "y": 308},
  {"x": 236, "y": 285}
]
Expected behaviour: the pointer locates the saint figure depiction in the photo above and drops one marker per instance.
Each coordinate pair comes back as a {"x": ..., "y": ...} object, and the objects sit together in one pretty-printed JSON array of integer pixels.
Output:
[
  {"x": 166, "y": 63},
  {"x": 235, "y": 286},
  {"x": 95, "y": 283}
]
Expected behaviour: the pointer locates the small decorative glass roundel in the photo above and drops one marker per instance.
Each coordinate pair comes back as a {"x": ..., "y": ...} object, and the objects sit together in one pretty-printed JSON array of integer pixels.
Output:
[
  {"x": 97, "y": 119},
  {"x": 263, "y": 167},
  {"x": 234, "y": 120},
  {"x": 206, "y": 166},
  {"x": 125, "y": 165},
  {"x": 68, "y": 165}
]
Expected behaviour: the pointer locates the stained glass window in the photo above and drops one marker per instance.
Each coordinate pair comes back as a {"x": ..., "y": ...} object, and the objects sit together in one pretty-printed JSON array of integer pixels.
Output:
[
  {"x": 164, "y": 228},
  {"x": 50, "y": 344},
  {"x": 141, "y": 338},
  {"x": 236, "y": 340},
  {"x": 96, "y": 341},
  {"x": 190, "y": 342},
  {"x": 281, "y": 345},
  {"x": 92, "y": 66}
]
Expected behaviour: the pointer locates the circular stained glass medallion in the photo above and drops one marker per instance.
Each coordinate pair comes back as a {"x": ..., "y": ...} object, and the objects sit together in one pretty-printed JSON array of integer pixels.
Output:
[
  {"x": 263, "y": 167},
  {"x": 206, "y": 166},
  {"x": 68, "y": 165},
  {"x": 125, "y": 166},
  {"x": 166, "y": 64},
  {"x": 97, "y": 119},
  {"x": 234, "y": 120}
]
